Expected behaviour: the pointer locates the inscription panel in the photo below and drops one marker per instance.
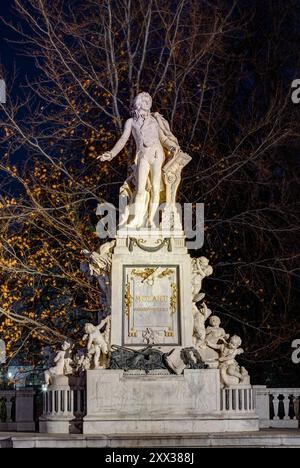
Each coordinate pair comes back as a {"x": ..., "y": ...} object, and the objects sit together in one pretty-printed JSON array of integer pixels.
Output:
[{"x": 151, "y": 305}]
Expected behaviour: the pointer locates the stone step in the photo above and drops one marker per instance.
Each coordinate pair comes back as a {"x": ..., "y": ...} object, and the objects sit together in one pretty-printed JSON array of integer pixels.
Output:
[{"x": 262, "y": 439}]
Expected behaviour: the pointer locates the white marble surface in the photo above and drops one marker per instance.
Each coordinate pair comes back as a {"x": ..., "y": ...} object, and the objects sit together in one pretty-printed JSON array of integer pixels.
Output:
[
  {"x": 128, "y": 404},
  {"x": 171, "y": 426},
  {"x": 126, "y": 321},
  {"x": 194, "y": 393},
  {"x": 271, "y": 439}
]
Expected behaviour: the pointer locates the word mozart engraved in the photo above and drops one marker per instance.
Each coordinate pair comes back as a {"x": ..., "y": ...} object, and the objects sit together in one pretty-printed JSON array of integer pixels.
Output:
[{"x": 151, "y": 298}]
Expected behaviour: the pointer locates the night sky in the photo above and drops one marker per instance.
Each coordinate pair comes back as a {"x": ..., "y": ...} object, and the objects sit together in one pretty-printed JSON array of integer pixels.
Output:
[{"x": 11, "y": 51}]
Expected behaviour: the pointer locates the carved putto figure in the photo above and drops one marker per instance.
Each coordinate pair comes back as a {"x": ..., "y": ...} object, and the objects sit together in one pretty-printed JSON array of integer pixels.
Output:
[
  {"x": 200, "y": 270},
  {"x": 154, "y": 141},
  {"x": 200, "y": 314},
  {"x": 98, "y": 265},
  {"x": 214, "y": 338},
  {"x": 215, "y": 335},
  {"x": 230, "y": 371},
  {"x": 180, "y": 359},
  {"x": 97, "y": 342},
  {"x": 217, "y": 349},
  {"x": 62, "y": 362}
]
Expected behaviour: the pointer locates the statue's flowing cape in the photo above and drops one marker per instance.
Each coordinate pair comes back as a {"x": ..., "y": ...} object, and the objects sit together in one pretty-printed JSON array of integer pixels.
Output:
[{"x": 169, "y": 139}]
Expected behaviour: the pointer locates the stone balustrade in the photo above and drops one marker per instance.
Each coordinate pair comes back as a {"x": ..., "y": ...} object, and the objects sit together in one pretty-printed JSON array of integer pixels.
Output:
[
  {"x": 66, "y": 402},
  {"x": 278, "y": 407},
  {"x": 65, "y": 405},
  {"x": 275, "y": 407},
  {"x": 238, "y": 399},
  {"x": 17, "y": 410}
]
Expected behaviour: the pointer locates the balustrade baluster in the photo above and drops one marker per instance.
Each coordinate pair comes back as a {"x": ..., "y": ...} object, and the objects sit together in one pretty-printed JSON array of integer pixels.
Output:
[
  {"x": 286, "y": 403},
  {"x": 296, "y": 405},
  {"x": 242, "y": 407},
  {"x": 66, "y": 402},
  {"x": 72, "y": 401},
  {"x": 276, "y": 406},
  {"x": 8, "y": 404},
  {"x": 78, "y": 401}
]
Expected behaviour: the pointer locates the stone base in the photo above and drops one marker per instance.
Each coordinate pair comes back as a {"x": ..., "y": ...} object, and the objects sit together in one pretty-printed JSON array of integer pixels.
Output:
[
  {"x": 283, "y": 438},
  {"x": 59, "y": 425},
  {"x": 54, "y": 426},
  {"x": 120, "y": 403},
  {"x": 172, "y": 426},
  {"x": 21, "y": 426},
  {"x": 26, "y": 426}
]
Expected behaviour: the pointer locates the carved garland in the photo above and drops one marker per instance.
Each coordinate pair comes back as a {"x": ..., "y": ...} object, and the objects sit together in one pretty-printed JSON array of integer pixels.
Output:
[
  {"x": 128, "y": 299},
  {"x": 133, "y": 241}
]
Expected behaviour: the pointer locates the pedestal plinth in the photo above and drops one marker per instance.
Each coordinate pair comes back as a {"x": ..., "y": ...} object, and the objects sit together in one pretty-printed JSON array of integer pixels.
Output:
[{"x": 122, "y": 403}]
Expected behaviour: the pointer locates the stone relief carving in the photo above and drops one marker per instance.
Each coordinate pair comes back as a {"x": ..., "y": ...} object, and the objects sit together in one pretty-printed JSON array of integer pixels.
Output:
[
  {"x": 149, "y": 336},
  {"x": 180, "y": 359},
  {"x": 160, "y": 245},
  {"x": 151, "y": 359},
  {"x": 146, "y": 360}
]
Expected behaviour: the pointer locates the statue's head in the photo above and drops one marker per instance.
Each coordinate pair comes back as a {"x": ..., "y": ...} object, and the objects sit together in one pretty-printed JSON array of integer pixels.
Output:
[
  {"x": 235, "y": 342},
  {"x": 214, "y": 321},
  {"x": 143, "y": 101},
  {"x": 66, "y": 345},
  {"x": 89, "y": 328},
  {"x": 203, "y": 261}
]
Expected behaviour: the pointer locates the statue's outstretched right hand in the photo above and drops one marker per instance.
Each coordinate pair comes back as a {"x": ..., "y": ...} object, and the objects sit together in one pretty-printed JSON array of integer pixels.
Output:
[{"x": 107, "y": 156}]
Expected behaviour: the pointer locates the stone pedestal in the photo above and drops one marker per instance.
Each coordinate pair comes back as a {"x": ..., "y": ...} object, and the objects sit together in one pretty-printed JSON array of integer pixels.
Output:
[
  {"x": 24, "y": 410},
  {"x": 151, "y": 291},
  {"x": 63, "y": 406},
  {"x": 122, "y": 403}
]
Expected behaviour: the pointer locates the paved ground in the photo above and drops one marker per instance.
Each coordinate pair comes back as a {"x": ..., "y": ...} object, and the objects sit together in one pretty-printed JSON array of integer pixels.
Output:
[{"x": 271, "y": 438}]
